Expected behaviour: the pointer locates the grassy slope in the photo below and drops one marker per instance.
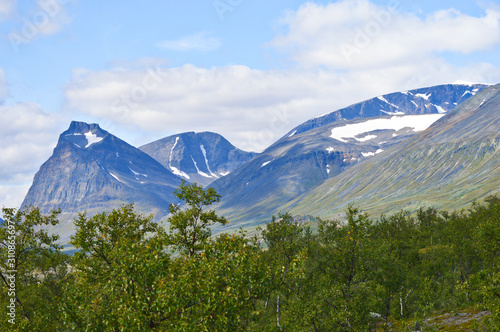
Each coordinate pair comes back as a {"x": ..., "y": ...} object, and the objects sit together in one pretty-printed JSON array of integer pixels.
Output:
[{"x": 447, "y": 166}]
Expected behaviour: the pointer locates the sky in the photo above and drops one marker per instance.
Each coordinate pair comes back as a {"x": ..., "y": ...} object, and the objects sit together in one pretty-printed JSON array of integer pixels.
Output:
[{"x": 248, "y": 70}]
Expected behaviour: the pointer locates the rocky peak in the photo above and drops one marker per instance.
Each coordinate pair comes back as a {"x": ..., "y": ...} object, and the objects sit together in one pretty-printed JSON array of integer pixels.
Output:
[{"x": 83, "y": 135}]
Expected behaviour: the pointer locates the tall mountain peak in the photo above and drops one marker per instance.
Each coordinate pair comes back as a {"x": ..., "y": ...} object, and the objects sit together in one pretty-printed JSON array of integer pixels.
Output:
[
  {"x": 92, "y": 170},
  {"x": 83, "y": 135}
]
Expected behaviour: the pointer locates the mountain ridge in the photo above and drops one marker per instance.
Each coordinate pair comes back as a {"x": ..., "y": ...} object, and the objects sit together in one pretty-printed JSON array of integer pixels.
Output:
[
  {"x": 317, "y": 152},
  {"x": 197, "y": 157},
  {"x": 449, "y": 165}
]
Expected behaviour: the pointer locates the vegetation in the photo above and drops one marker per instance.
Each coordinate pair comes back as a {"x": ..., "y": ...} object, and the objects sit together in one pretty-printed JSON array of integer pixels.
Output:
[{"x": 129, "y": 274}]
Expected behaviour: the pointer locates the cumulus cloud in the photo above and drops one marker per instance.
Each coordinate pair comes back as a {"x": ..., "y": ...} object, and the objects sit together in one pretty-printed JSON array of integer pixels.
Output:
[
  {"x": 252, "y": 108},
  {"x": 6, "y": 8},
  {"x": 201, "y": 41},
  {"x": 29, "y": 134},
  {"x": 359, "y": 34}
]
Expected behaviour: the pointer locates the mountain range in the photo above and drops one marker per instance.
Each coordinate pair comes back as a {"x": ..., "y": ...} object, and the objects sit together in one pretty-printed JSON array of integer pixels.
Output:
[
  {"x": 313, "y": 152},
  {"x": 449, "y": 165},
  {"x": 92, "y": 170},
  {"x": 429, "y": 146}
]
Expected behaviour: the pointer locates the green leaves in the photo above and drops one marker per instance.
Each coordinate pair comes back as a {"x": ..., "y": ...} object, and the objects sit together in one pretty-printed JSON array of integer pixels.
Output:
[
  {"x": 129, "y": 274},
  {"x": 30, "y": 255},
  {"x": 190, "y": 227},
  {"x": 126, "y": 278}
]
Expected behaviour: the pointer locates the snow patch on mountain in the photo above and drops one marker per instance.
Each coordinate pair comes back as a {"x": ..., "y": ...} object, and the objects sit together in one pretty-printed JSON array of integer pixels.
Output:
[
  {"x": 385, "y": 100},
  {"x": 92, "y": 138},
  {"x": 137, "y": 173},
  {"x": 392, "y": 113},
  {"x": 421, "y": 95},
  {"x": 266, "y": 163},
  {"x": 198, "y": 170},
  {"x": 440, "y": 109},
  {"x": 116, "y": 177},
  {"x": 175, "y": 170},
  {"x": 417, "y": 122},
  {"x": 206, "y": 160}
]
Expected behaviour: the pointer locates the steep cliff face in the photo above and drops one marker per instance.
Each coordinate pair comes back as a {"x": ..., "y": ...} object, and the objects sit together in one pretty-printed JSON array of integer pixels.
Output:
[{"x": 92, "y": 170}]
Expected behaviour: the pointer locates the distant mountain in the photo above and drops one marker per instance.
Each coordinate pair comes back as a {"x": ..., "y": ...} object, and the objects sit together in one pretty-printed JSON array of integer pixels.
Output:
[
  {"x": 92, "y": 170},
  {"x": 197, "y": 157},
  {"x": 327, "y": 146},
  {"x": 436, "y": 99},
  {"x": 452, "y": 163}
]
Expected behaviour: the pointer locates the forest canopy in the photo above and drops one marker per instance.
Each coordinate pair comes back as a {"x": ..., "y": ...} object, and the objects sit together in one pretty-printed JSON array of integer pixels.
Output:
[{"x": 361, "y": 274}]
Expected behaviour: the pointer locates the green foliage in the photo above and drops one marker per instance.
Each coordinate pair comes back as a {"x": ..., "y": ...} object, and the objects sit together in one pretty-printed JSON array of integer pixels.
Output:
[
  {"x": 126, "y": 279},
  {"x": 190, "y": 227},
  {"x": 129, "y": 274},
  {"x": 116, "y": 272},
  {"x": 31, "y": 255},
  {"x": 287, "y": 242}
]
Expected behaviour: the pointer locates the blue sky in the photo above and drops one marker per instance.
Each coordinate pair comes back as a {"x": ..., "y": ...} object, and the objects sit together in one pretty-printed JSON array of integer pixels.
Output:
[{"x": 249, "y": 70}]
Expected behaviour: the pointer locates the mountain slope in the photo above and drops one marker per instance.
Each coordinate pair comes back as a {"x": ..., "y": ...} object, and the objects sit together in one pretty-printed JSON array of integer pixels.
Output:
[
  {"x": 436, "y": 99},
  {"x": 197, "y": 157},
  {"x": 309, "y": 154},
  {"x": 92, "y": 170},
  {"x": 452, "y": 163}
]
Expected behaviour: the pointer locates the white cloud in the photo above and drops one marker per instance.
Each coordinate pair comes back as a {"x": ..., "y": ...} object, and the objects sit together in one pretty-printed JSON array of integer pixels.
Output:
[
  {"x": 3, "y": 86},
  {"x": 252, "y": 108},
  {"x": 247, "y": 105},
  {"x": 11, "y": 196},
  {"x": 47, "y": 18},
  {"x": 29, "y": 134},
  {"x": 201, "y": 41},
  {"x": 53, "y": 16},
  {"x": 359, "y": 34},
  {"x": 6, "y": 8}
]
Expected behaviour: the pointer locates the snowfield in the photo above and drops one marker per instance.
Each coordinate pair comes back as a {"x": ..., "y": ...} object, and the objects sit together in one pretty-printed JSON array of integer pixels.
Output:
[{"x": 416, "y": 122}]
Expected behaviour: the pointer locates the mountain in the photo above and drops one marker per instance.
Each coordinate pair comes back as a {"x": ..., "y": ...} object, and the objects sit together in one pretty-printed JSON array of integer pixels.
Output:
[
  {"x": 92, "y": 170},
  {"x": 449, "y": 165},
  {"x": 310, "y": 153},
  {"x": 436, "y": 99},
  {"x": 197, "y": 157}
]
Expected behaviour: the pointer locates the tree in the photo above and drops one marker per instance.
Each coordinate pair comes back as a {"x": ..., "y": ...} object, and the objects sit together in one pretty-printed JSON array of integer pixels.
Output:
[
  {"x": 484, "y": 284},
  {"x": 345, "y": 256},
  {"x": 117, "y": 270},
  {"x": 287, "y": 243},
  {"x": 190, "y": 227},
  {"x": 127, "y": 279},
  {"x": 32, "y": 269}
]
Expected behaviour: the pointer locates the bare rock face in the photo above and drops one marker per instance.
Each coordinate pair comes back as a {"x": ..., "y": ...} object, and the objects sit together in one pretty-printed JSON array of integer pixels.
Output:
[
  {"x": 92, "y": 170},
  {"x": 197, "y": 157}
]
